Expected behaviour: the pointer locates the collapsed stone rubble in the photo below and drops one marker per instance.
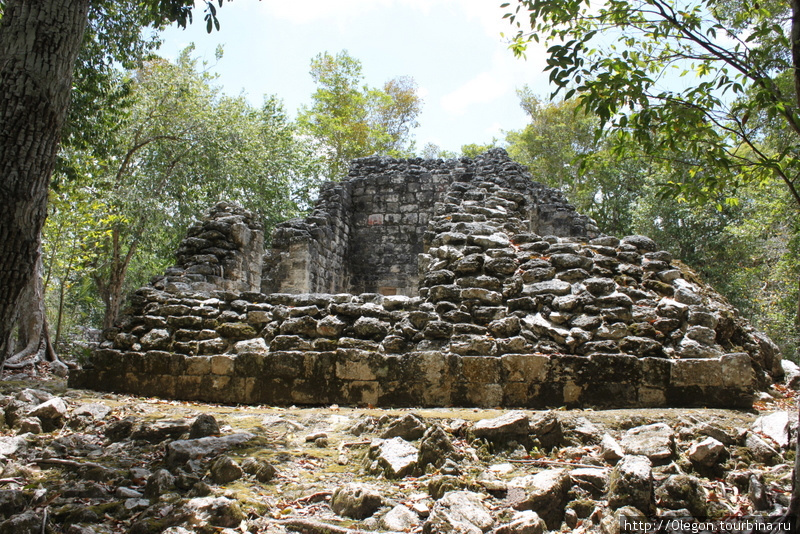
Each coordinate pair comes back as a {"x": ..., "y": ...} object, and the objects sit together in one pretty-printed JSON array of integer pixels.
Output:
[
  {"x": 145, "y": 466},
  {"x": 422, "y": 282}
]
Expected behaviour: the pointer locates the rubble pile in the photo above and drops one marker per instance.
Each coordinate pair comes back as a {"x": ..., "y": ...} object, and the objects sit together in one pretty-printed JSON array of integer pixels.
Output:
[
  {"x": 75, "y": 463},
  {"x": 505, "y": 314}
]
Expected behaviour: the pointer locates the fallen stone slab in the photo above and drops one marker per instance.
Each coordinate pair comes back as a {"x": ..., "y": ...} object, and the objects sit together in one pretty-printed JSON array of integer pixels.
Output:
[
  {"x": 545, "y": 493},
  {"x": 458, "y": 512},
  {"x": 394, "y": 457},
  {"x": 706, "y": 452},
  {"x": 181, "y": 451},
  {"x": 511, "y": 424},
  {"x": 777, "y": 426},
  {"x": 356, "y": 500},
  {"x": 656, "y": 441},
  {"x": 400, "y": 519},
  {"x": 631, "y": 484}
]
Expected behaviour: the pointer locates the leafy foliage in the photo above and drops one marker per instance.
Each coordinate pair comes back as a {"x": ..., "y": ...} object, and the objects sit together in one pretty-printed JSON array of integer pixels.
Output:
[
  {"x": 558, "y": 146},
  {"x": 182, "y": 147},
  {"x": 703, "y": 94},
  {"x": 350, "y": 120},
  {"x": 676, "y": 81}
]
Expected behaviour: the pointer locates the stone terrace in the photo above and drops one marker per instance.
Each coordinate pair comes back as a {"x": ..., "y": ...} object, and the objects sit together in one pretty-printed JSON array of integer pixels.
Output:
[{"x": 423, "y": 282}]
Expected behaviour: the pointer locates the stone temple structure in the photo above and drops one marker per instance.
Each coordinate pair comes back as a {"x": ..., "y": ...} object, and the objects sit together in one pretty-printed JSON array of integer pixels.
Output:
[{"x": 431, "y": 283}]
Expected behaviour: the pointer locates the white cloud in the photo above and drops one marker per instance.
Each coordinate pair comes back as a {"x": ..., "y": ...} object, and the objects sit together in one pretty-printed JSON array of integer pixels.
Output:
[
  {"x": 504, "y": 75},
  {"x": 313, "y": 10},
  {"x": 489, "y": 14},
  {"x": 495, "y": 130},
  {"x": 483, "y": 88}
]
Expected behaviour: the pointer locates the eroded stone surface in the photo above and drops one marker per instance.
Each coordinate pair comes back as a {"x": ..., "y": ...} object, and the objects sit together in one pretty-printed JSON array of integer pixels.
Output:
[{"x": 423, "y": 282}]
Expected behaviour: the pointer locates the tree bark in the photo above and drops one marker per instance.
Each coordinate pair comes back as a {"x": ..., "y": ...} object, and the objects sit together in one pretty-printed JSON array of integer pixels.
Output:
[
  {"x": 794, "y": 503},
  {"x": 39, "y": 43},
  {"x": 30, "y": 322}
]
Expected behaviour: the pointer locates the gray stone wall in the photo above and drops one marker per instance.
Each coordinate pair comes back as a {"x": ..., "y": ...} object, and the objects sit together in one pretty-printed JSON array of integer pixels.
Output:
[
  {"x": 366, "y": 233},
  {"x": 497, "y": 293},
  {"x": 310, "y": 255},
  {"x": 392, "y": 203},
  {"x": 223, "y": 251}
]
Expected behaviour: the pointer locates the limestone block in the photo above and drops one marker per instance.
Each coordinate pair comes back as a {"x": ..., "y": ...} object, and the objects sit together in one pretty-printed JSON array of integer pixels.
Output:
[
  {"x": 485, "y": 296},
  {"x": 525, "y": 367},
  {"x": 649, "y": 396},
  {"x": 476, "y": 345},
  {"x": 481, "y": 369},
  {"x": 222, "y": 365},
  {"x": 361, "y": 392},
  {"x": 544, "y": 493},
  {"x": 285, "y": 364},
  {"x": 737, "y": 371},
  {"x": 355, "y": 500},
  {"x": 655, "y": 441},
  {"x": 513, "y": 423},
  {"x": 255, "y": 345},
  {"x": 458, "y": 511},
  {"x": 483, "y": 395},
  {"x": 697, "y": 372},
  {"x": 631, "y": 484},
  {"x": 553, "y": 287},
  {"x": 394, "y": 457}
]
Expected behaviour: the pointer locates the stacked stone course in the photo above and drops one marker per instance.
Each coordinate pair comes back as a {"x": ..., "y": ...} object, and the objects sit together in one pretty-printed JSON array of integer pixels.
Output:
[{"x": 520, "y": 302}]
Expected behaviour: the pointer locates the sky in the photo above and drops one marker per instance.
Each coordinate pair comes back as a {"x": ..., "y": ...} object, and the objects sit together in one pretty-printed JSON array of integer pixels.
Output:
[{"x": 467, "y": 76}]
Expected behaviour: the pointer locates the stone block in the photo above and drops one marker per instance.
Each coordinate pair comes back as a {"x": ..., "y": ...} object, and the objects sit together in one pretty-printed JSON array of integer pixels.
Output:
[
  {"x": 481, "y": 369},
  {"x": 656, "y": 372},
  {"x": 361, "y": 392},
  {"x": 217, "y": 388},
  {"x": 697, "y": 372},
  {"x": 284, "y": 364},
  {"x": 156, "y": 363},
  {"x": 572, "y": 392},
  {"x": 737, "y": 371},
  {"x": 189, "y": 387},
  {"x": 249, "y": 364},
  {"x": 222, "y": 365},
  {"x": 521, "y": 394},
  {"x": 651, "y": 396},
  {"x": 134, "y": 362},
  {"x": 528, "y": 368},
  {"x": 355, "y": 364},
  {"x": 621, "y": 368},
  {"x": 107, "y": 359}
]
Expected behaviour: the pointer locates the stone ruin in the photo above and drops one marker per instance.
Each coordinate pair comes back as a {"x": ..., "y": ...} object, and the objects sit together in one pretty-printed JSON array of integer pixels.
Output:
[{"x": 431, "y": 283}]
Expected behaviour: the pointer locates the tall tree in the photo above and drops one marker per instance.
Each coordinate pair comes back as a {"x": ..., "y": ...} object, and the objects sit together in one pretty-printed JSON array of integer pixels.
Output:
[
  {"x": 619, "y": 58},
  {"x": 557, "y": 146},
  {"x": 679, "y": 80},
  {"x": 114, "y": 36},
  {"x": 39, "y": 44},
  {"x": 183, "y": 146},
  {"x": 352, "y": 120}
]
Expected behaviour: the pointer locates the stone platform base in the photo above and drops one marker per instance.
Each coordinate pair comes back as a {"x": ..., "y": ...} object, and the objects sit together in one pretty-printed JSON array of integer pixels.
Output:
[{"x": 426, "y": 379}]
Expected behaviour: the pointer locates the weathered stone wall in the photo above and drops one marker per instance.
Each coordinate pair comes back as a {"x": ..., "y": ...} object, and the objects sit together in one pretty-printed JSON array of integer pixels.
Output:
[
  {"x": 392, "y": 203},
  {"x": 365, "y": 234},
  {"x": 504, "y": 314},
  {"x": 224, "y": 251},
  {"x": 309, "y": 255}
]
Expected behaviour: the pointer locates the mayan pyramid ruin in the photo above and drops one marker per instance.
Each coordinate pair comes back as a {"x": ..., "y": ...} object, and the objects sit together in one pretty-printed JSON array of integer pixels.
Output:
[{"x": 431, "y": 283}]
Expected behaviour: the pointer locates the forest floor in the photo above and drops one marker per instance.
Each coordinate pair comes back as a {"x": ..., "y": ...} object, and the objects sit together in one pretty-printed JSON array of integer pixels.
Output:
[{"x": 107, "y": 463}]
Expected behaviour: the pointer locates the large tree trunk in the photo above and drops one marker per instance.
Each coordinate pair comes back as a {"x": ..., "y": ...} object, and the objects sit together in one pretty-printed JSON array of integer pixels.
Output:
[
  {"x": 39, "y": 43},
  {"x": 794, "y": 503},
  {"x": 30, "y": 345},
  {"x": 33, "y": 337}
]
